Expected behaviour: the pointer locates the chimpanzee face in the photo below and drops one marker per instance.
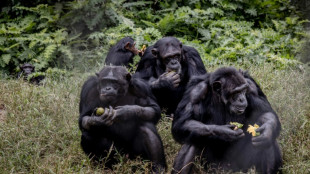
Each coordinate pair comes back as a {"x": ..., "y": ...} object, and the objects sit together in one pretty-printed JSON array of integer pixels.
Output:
[
  {"x": 113, "y": 82},
  {"x": 232, "y": 90},
  {"x": 27, "y": 69},
  {"x": 169, "y": 51},
  {"x": 237, "y": 99}
]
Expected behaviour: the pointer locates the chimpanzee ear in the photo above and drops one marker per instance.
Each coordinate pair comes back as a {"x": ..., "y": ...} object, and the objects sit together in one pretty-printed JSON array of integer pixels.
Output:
[
  {"x": 181, "y": 44},
  {"x": 128, "y": 77},
  {"x": 216, "y": 86},
  {"x": 155, "y": 52},
  {"x": 127, "y": 46}
]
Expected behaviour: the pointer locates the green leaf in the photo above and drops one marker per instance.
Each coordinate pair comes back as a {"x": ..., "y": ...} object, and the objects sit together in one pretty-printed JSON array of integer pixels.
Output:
[
  {"x": 251, "y": 11},
  {"x": 6, "y": 58}
]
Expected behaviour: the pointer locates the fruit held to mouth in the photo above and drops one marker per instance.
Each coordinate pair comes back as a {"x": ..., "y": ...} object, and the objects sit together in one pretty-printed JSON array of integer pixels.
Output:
[
  {"x": 99, "y": 111},
  {"x": 252, "y": 130},
  {"x": 171, "y": 71},
  {"x": 238, "y": 125}
]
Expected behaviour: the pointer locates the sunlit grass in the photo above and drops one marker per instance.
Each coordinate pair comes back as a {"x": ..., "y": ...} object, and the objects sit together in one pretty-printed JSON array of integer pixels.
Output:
[{"x": 39, "y": 131}]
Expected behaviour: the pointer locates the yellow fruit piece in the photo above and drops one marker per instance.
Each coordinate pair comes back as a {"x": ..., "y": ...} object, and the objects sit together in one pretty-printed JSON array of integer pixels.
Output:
[
  {"x": 143, "y": 47},
  {"x": 99, "y": 111},
  {"x": 252, "y": 130}
]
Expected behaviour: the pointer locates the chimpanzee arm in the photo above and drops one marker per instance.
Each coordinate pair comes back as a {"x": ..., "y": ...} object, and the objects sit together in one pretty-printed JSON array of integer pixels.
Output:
[
  {"x": 187, "y": 129},
  {"x": 88, "y": 102},
  {"x": 269, "y": 130},
  {"x": 262, "y": 114},
  {"x": 127, "y": 112},
  {"x": 267, "y": 119},
  {"x": 145, "y": 107}
]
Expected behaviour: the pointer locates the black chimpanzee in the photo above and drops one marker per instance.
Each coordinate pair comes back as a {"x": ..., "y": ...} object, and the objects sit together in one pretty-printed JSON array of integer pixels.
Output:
[
  {"x": 26, "y": 70},
  {"x": 122, "y": 53},
  {"x": 128, "y": 122},
  {"x": 202, "y": 124},
  {"x": 168, "y": 66}
]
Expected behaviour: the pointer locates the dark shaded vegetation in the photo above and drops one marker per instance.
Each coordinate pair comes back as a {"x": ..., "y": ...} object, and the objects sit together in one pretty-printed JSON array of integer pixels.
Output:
[{"x": 77, "y": 34}]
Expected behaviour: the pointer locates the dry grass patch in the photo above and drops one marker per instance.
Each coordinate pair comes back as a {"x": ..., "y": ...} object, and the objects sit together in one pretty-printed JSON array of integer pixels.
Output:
[{"x": 41, "y": 135}]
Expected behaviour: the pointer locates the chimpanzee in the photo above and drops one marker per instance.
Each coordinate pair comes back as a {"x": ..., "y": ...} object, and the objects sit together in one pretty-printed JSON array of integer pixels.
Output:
[
  {"x": 203, "y": 119},
  {"x": 26, "y": 70},
  {"x": 128, "y": 122},
  {"x": 122, "y": 53},
  {"x": 168, "y": 66}
]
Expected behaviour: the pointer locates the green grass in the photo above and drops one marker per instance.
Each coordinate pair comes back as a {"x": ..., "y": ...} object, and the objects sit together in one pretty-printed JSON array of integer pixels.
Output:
[{"x": 39, "y": 131}]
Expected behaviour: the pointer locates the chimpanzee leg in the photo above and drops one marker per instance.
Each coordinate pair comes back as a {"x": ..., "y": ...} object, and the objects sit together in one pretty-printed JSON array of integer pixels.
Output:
[
  {"x": 272, "y": 161},
  {"x": 151, "y": 147},
  {"x": 98, "y": 148},
  {"x": 183, "y": 163}
]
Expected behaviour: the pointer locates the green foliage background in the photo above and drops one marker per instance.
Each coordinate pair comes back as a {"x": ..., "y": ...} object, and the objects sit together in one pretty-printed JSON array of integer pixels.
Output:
[{"x": 77, "y": 34}]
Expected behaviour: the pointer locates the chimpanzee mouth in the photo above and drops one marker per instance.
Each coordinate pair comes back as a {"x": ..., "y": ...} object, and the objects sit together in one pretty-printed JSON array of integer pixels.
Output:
[
  {"x": 178, "y": 70},
  {"x": 239, "y": 110}
]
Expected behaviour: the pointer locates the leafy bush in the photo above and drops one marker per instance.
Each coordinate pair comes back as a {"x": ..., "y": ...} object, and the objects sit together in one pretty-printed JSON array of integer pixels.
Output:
[
  {"x": 70, "y": 34},
  {"x": 32, "y": 37},
  {"x": 228, "y": 31}
]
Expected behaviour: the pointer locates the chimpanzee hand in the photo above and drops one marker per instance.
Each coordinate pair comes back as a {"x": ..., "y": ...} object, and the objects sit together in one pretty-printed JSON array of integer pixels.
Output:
[
  {"x": 265, "y": 138},
  {"x": 226, "y": 132},
  {"x": 170, "y": 79},
  {"x": 107, "y": 117},
  {"x": 126, "y": 112}
]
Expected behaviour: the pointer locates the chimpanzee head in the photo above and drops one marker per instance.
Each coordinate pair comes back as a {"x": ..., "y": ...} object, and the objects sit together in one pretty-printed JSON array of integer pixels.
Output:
[
  {"x": 231, "y": 86},
  {"x": 128, "y": 43},
  {"x": 27, "y": 69},
  {"x": 169, "y": 52},
  {"x": 113, "y": 83}
]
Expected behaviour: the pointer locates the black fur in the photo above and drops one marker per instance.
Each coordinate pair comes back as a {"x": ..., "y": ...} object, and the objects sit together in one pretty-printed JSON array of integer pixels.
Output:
[
  {"x": 120, "y": 56},
  {"x": 151, "y": 67},
  {"x": 133, "y": 133},
  {"x": 26, "y": 70},
  {"x": 201, "y": 113}
]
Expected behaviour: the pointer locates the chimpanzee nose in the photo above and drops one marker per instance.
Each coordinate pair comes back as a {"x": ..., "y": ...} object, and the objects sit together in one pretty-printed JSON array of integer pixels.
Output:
[
  {"x": 173, "y": 62},
  {"x": 242, "y": 101},
  {"x": 108, "y": 88}
]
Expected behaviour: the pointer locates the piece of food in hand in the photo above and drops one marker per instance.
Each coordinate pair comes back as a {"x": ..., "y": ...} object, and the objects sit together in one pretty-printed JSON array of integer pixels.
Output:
[
  {"x": 99, "y": 111},
  {"x": 143, "y": 48},
  {"x": 238, "y": 125},
  {"x": 170, "y": 71},
  {"x": 252, "y": 130}
]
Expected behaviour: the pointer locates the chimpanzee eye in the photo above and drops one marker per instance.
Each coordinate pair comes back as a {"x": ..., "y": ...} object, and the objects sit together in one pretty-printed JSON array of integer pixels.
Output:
[{"x": 235, "y": 96}]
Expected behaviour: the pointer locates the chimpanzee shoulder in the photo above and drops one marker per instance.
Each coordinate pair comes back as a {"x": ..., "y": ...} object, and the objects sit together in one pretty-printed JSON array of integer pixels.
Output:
[
  {"x": 254, "y": 88},
  {"x": 194, "y": 61}
]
